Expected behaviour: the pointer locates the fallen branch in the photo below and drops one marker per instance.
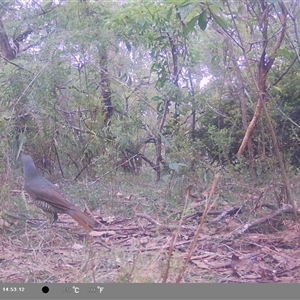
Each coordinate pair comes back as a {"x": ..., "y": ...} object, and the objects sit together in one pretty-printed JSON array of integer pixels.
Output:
[{"x": 287, "y": 208}]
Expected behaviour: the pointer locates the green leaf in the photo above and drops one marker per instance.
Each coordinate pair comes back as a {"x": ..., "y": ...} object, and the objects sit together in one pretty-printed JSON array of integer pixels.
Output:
[
  {"x": 214, "y": 6},
  {"x": 179, "y": 3},
  {"x": 160, "y": 107},
  {"x": 202, "y": 20},
  {"x": 47, "y": 6},
  {"x": 155, "y": 98},
  {"x": 160, "y": 83},
  {"x": 190, "y": 25},
  {"x": 277, "y": 88},
  {"x": 166, "y": 142},
  {"x": 220, "y": 21},
  {"x": 285, "y": 53},
  {"x": 182, "y": 165},
  {"x": 22, "y": 141},
  {"x": 174, "y": 166},
  {"x": 188, "y": 11},
  {"x": 168, "y": 128},
  {"x": 169, "y": 13}
]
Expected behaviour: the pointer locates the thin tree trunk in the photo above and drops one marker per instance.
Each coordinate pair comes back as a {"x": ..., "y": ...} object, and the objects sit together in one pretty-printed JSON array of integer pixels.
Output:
[
  {"x": 105, "y": 86},
  {"x": 5, "y": 48}
]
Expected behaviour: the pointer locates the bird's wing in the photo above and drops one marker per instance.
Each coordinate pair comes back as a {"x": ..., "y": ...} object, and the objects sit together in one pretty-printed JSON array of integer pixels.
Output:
[{"x": 50, "y": 195}]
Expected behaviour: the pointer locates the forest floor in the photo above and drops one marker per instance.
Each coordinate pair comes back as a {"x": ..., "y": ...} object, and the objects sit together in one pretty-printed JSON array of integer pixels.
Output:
[{"x": 248, "y": 235}]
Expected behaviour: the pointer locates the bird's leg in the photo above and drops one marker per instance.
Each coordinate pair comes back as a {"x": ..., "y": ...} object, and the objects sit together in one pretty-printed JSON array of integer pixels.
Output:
[
  {"x": 52, "y": 219},
  {"x": 55, "y": 218}
]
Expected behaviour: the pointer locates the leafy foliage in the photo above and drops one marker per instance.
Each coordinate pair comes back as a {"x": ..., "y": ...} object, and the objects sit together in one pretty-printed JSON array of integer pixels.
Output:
[{"x": 157, "y": 56}]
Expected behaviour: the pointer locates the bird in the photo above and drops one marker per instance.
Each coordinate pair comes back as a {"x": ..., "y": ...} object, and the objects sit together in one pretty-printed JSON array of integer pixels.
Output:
[{"x": 49, "y": 198}]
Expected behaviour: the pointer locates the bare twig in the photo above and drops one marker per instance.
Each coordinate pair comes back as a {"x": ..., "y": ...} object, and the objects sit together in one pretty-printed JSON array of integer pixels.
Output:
[{"x": 194, "y": 241}]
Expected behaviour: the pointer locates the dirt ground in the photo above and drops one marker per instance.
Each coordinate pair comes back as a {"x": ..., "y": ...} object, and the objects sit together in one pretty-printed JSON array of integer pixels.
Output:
[
  {"x": 145, "y": 234},
  {"x": 137, "y": 249}
]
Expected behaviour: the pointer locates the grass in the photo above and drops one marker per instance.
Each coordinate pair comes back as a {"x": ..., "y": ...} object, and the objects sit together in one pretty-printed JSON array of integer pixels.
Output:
[{"x": 141, "y": 219}]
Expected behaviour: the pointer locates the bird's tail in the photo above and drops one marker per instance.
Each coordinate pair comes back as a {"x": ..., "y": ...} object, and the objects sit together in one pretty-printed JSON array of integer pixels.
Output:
[{"x": 83, "y": 219}]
